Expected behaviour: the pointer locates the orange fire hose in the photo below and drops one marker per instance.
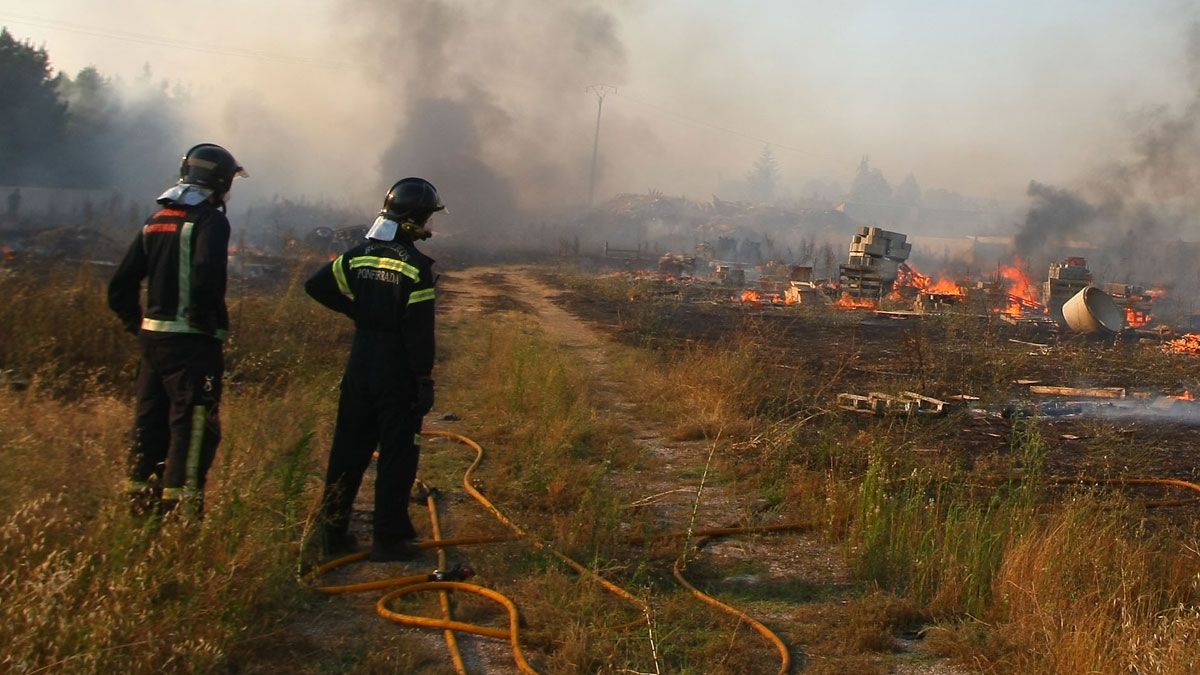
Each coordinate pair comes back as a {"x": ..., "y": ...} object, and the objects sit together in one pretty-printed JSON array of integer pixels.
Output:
[
  {"x": 443, "y": 595},
  {"x": 785, "y": 657},
  {"x": 406, "y": 585},
  {"x": 1152, "y": 503}
]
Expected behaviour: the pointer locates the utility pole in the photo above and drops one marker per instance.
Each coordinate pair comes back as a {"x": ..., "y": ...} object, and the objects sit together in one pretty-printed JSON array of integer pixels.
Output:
[{"x": 600, "y": 90}]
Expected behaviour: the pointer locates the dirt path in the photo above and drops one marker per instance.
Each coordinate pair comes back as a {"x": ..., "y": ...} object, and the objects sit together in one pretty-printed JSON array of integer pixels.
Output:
[
  {"x": 667, "y": 484},
  {"x": 665, "y": 488},
  {"x": 671, "y": 496}
]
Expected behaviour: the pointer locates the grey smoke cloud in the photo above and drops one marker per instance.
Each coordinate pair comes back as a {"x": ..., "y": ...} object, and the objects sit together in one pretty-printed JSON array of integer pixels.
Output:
[
  {"x": 1055, "y": 215},
  {"x": 486, "y": 98},
  {"x": 1132, "y": 210}
]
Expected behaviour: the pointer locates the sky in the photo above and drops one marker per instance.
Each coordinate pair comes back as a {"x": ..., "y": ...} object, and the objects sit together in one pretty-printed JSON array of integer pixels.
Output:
[{"x": 972, "y": 96}]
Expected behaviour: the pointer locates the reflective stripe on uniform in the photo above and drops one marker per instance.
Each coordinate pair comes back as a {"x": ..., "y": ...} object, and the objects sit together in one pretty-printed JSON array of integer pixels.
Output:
[
  {"x": 420, "y": 296},
  {"x": 185, "y": 271},
  {"x": 339, "y": 275},
  {"x": 193, "y": 455},
  {"x": 180, "y": 323},
  {"x": 416, "y": 439},
  {"x": 177, "y": 493},
  {"x": 386, "y": 264},
  {"x": 177, "y": 326},
  {"x": 174, "y": 494}
]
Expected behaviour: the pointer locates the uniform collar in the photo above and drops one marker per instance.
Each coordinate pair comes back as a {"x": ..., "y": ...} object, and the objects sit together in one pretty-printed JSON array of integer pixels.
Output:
[{"x": 185, "y": 194}]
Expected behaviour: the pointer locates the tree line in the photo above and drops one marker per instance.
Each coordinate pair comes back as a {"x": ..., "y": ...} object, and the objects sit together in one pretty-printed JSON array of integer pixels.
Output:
[{"x": 87, "y": 131}]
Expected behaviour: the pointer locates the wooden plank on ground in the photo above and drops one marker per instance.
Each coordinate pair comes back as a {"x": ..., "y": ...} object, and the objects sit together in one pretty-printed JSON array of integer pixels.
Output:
[{"x": 1080, "y": 392}]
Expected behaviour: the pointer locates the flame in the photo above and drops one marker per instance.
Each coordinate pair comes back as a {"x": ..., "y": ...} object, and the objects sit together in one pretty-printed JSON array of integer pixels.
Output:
[
  {"x": 754, "y": 297},
  {"x": 847, "y": 302},
  {"x": 1018, "y": 282},
  {"x": 945, "y": 287},
  {"x": 1022, "y": 295},
  {"x": 907, "y": 276},
  {"x": 1185, "y": 396},
  {"x": 1156, "y": 293},
  {"x": 1136, "y": 318},
  {"x": 1186, "y": 344}
]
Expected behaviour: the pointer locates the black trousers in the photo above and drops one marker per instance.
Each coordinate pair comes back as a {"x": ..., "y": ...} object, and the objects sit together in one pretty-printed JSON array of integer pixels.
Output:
[
  {"x": 177, "y": 428},
  {"x": 375, "y": 409}
]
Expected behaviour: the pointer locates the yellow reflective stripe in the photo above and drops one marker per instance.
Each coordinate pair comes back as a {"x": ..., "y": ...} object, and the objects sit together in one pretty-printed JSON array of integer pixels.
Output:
[
  {"x": 176, "y": 493},
  {"x": 386, "y": 264},
  {"x": 177, "y": 326},
  {"x": 420, "y": 296},
  {"x": 416, "y": 439},
  {"x": 193, "y": 456},
  {"x": 340, "y": 275}
]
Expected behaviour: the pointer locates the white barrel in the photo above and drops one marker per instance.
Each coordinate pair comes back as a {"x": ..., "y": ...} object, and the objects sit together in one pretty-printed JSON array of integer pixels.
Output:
[{"x": 1092, "y": 311}]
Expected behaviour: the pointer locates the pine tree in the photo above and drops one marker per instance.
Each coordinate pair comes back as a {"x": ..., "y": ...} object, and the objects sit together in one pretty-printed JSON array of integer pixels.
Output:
[
  {"x": 762, "y": 182},
  {"x": 32, "y": 119}
]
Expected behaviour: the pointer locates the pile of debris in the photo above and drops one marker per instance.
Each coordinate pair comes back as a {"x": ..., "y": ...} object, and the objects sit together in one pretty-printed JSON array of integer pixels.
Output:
[{"x": 875, "y": 258}]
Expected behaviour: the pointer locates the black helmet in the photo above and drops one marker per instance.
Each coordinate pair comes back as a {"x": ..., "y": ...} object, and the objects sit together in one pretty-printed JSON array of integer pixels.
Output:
[
  {"x": 412, "y": 200},
  {"x": 211, "y": 166}
]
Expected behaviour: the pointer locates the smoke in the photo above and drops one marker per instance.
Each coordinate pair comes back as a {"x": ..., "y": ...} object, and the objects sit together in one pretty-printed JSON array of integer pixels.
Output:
[
  {"x": 487, "y": 99},
  {"x": 1132, "y": 212},
  {"x": 1055, "y": 215}
]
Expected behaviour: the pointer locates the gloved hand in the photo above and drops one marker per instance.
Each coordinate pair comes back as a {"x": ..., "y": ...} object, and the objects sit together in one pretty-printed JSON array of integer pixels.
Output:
[{"x": 424, "y": 400}]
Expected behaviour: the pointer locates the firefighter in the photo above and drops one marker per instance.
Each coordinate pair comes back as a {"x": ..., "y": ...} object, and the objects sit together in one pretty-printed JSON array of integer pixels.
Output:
[
  {"x": 387, "y": 287},
  {"x": 181, "y": 252}
]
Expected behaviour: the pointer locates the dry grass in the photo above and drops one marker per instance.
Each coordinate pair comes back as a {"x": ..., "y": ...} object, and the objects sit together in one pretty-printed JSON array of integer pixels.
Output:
[
  {"x": 87, "y": 589},
  {"x": 1018, "y": 584},
  {"x": 1090, "y": 590}
]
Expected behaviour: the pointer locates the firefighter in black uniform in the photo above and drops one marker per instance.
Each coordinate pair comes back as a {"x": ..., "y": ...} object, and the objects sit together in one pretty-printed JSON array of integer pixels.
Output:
[
  {"x": 386, "y": 286},
  {"x": 181, "y": 252}
]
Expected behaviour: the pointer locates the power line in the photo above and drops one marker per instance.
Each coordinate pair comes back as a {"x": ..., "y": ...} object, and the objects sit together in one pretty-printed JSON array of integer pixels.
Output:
[
  {"x": 716, "y": 127},
  {"x": 142, "y": 38}
]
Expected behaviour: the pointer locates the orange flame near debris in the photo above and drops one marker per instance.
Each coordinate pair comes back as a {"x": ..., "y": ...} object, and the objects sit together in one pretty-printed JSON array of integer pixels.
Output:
[
  {"x": 944, "y": 287},
  {"x": 1186, "y": 344},
  {"x": 908, "y": 277},
  {"x": 847, "y": 302},
  {"x": 1022, "y": 295},
  {"x": 1185, "y": 396},
  {"x": 1136, "y": 318},
  {"x": 754, "y": 297}
]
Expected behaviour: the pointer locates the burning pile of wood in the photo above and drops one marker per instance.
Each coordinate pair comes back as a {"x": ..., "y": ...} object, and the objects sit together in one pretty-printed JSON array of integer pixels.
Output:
[
  {"x": 907, "y": 277},
  {"x": 1021, "y": 296},
  {"x": 754, "y": 297},
  {"x": 849, "y": 302},
  {"x": 1187, "y": 344},
  {"x": 1136, "y": 318}
]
